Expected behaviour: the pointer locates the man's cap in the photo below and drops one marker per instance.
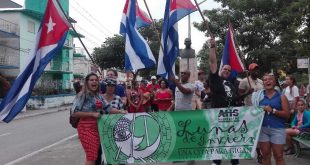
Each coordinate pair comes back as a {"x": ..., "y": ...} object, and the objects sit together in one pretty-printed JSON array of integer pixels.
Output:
[
  {"x": 252, "y": 66},
  {"x": 110, "y": 81},
  {"x": 153, "y": 78}
]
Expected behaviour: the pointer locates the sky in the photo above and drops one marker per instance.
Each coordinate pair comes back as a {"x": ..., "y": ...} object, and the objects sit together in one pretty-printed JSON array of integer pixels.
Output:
[{"x": 99, "y": 19}]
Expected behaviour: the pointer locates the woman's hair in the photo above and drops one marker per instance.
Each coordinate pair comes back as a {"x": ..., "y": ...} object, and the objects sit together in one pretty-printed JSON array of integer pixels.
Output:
[
  {"x": 164, "y": 80},
  {"x": 85, "y": 89},
  {"x": 291, "y": 77},
  {"x": 303, "y": 101}
]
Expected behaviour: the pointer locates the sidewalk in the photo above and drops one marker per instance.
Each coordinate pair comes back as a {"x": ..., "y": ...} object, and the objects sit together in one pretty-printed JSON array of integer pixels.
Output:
[{"x": 36, "y": 112}]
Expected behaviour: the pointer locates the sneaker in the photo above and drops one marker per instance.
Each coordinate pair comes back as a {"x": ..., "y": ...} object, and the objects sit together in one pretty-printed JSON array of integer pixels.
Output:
[
  {"x": 290, "y": 152},
  {"x": 260, "y": 159}
]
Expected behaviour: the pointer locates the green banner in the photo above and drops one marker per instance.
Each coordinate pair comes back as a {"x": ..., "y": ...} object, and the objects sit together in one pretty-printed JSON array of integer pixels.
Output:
[{"x": 224, "y": 133}]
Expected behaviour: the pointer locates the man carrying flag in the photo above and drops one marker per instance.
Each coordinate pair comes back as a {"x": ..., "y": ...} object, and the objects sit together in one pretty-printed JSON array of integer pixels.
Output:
[
  {"x": 224, "y": 88},
  {"x": 138, "y": 54},
  {"x": 49, "y": 41},
  {"x": 175, "y": 10}
]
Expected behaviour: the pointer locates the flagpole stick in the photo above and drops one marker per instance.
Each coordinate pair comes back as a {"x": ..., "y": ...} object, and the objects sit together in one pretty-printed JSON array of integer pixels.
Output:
[
  {"x": 241, "y": 53},
  {"x": 203, "y": 18},
  {"x": 91, "y": 58},
  {"x": 153, "y": 24}
]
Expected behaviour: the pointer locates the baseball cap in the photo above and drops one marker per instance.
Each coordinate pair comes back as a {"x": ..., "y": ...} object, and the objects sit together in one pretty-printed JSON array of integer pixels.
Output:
[
  {"x": 153, "y": 78},
  {"x": 110, "y": 81},
  {"x": 252, "y": 66}
]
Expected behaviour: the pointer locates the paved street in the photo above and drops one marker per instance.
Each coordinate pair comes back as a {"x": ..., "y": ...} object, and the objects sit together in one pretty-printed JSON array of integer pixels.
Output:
[
  {"x": 54, "y": 142},
  {"x": 24, "y": 136}
]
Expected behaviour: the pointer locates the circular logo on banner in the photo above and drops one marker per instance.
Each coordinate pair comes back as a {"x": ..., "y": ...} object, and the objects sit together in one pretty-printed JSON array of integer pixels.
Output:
[{"x": 141, "y": 137}]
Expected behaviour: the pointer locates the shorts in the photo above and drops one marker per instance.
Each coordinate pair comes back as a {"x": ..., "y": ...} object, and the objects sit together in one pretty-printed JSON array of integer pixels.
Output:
[{"x": 273, "y": 135}]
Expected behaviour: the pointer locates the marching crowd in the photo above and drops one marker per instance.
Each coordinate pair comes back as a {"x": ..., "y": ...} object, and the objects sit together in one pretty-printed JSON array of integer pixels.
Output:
[{"x": 286, "y": 113}]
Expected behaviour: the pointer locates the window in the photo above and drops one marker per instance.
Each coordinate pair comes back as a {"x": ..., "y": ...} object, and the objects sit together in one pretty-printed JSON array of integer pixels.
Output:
[{"x": 31, "y": 27}]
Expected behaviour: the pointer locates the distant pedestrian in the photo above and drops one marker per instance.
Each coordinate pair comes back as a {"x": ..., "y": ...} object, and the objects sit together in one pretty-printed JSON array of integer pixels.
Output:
[{"x": 88, "y": 105}]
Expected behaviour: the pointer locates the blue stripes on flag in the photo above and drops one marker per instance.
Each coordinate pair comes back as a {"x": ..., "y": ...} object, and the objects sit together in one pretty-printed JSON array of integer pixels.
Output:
[
  {"x": 175, "y": 10},
  {"x": 138, "y": 54}
]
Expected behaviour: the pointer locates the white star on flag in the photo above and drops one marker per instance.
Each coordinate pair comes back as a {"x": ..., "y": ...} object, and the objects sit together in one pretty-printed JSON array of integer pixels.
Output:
[{"x": 50, "y": 25}]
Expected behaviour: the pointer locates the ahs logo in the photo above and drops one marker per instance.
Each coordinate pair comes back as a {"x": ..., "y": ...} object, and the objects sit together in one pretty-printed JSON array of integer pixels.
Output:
[{"x": 228, "y": 113}]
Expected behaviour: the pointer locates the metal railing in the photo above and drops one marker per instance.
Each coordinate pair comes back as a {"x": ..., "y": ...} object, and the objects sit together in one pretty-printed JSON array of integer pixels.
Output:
[
  {"x": 9, "y": 56},
  {"x": 9, "y": 27}
]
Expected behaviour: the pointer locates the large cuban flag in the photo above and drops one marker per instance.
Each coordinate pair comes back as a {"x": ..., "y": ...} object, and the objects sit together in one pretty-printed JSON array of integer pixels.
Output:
[
  {"x": 49, "y": 41},
  {"x": 230, "y": 55},
  {"x": 175, "y": 10},
  {"x": 138, "y": 54}
]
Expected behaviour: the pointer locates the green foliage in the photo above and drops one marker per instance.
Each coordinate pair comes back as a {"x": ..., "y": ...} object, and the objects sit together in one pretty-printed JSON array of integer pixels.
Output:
[
  {"x": 272, "y": 33},
  {"x": 111, "y": 54}
]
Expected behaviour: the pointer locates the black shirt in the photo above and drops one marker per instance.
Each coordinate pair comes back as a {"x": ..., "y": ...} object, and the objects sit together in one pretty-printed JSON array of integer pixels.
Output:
[{"x": 224, "y": 92}]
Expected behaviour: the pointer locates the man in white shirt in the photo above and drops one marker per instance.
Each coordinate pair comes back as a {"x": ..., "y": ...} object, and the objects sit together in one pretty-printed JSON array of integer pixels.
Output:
[
  {"x": 250, "y": 84},
  {"x": 184, "y": 91}
]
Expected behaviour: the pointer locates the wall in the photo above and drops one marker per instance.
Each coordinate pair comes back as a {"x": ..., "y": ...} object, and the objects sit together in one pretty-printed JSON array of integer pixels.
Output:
[{"x": 44, "y": 102}]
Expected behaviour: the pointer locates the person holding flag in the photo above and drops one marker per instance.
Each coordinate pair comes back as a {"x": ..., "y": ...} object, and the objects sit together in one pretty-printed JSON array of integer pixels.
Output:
[{"x": 224, "y": 89}]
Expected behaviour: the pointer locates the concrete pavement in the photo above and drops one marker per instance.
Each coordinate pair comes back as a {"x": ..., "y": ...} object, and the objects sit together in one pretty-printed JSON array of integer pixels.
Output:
[{"x": 70, "y": 151}]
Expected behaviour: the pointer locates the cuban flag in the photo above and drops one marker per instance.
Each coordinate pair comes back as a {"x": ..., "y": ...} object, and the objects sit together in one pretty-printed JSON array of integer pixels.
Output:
[
  {"x": 138, "y": 54},
  {"x": 175, "y": 10},
  {"x": 230, "y": 55},
  {"x": 49, "y": 41}
]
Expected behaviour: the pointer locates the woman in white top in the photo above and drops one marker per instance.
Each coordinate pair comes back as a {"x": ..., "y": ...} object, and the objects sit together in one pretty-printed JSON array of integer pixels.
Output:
[{"x": 291, "y": 92}]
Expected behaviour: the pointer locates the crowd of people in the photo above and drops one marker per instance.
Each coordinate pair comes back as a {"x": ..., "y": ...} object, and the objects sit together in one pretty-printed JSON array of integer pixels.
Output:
[{"x": 286, "y": 112}]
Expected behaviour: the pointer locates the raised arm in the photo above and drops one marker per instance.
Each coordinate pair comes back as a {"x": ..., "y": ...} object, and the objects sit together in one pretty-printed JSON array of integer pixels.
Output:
[{"x": 212, "y": 56}]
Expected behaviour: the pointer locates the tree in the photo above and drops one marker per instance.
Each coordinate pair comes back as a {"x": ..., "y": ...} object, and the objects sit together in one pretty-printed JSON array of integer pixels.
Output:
[
  {"x": 270, "y": 33},
  {"x": 112, "y": 51}
]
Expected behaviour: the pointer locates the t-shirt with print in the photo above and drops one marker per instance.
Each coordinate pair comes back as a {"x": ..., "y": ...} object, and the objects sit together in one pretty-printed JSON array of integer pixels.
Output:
[
  {"x": 255, "y": 84},
  {"x": 184, "y": 101},
  {"x": 117, "y": 103},
  {"x": 224, "y": 92}
]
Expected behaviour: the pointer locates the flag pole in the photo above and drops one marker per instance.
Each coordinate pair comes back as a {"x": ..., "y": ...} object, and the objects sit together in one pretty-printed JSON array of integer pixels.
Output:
[
  {"x": 203, "y": 18},
  {"x": 67, "y": 17},
  {"x": 153, "y": 24}
]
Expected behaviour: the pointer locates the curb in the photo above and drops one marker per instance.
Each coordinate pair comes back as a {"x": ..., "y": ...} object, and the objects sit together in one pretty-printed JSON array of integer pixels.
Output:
[{"x": 41, "y": 113}]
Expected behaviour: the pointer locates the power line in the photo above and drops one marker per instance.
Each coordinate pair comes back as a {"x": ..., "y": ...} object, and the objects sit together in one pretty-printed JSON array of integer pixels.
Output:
[
  {"x": 92, "y": 22},
  {"x": 93, "y": 18}
]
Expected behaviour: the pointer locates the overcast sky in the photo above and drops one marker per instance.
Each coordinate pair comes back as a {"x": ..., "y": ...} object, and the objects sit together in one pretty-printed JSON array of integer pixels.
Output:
[{"x": 98, "y": 19}]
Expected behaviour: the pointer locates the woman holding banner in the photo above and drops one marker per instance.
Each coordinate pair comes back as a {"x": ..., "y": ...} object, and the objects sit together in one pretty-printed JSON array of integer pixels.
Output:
[
  {"x": 88, "y": 105},
  {"x": 272, "y": 135}
]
